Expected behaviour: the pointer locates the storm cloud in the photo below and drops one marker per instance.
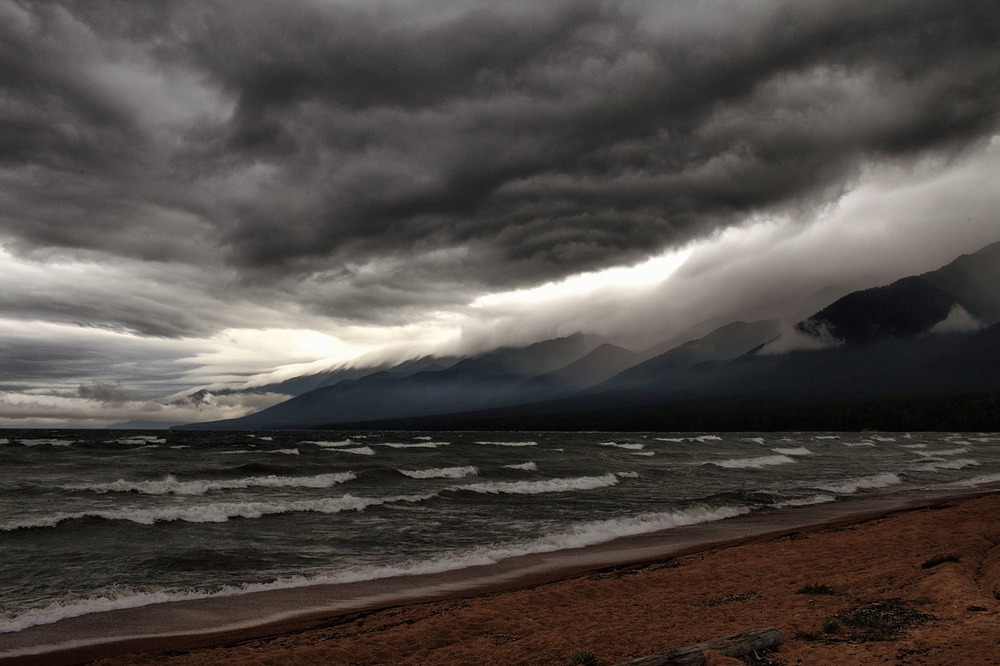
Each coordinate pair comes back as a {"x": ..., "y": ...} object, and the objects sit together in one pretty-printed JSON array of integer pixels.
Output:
[{"x": 328, "y": 164}]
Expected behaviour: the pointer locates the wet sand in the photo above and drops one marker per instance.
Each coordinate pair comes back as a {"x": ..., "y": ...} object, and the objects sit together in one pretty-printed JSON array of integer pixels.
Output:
[{"x": 623, "y": 600}]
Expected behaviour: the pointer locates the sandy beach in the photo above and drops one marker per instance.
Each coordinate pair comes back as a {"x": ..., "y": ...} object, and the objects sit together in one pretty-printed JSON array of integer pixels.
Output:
[{"x": 915, "y": 586}]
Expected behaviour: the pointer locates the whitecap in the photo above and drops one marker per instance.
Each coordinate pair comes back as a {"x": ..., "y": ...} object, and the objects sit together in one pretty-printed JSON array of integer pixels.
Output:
[
  {"x": 540, "y": 487},
  {"x": 526, "y": 467},
  {"x": 804, "y": 501},
  {"x": 171, "y": 486},
  {"x": 797, "y": 451},
  {"x": 46, "y": 442},
  {"x": 976, "y": 481},
  {"x": 417, "y": 445},
  {"x": 441, "y": 473},
  {"x": 216, "y": 512},
  {"x": 945, "y": 452},
  {"x": 359, "y": 451},
  {"x": 142, "y": 439},
  {"x": 851, "y": 486},
  {"x": 752, "y": 463},
  {"x": 955, "y": 463},
  {"x": 326, "y": 444},
  {"x": 509, "y": 443},
  {"x": 628, "y": 446},
  {"x": 577, "y": 536}
]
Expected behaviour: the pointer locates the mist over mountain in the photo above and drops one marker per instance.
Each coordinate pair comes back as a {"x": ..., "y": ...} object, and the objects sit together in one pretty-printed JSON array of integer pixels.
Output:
[{"x": 926, "y": 338}]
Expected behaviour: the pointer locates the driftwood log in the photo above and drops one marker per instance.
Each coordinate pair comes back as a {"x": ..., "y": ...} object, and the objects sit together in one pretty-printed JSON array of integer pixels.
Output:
[{"x": 737, "y": 645}]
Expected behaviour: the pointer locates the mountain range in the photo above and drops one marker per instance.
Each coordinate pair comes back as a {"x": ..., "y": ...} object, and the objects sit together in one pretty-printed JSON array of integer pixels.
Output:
[{"x": 922, "y": 353}]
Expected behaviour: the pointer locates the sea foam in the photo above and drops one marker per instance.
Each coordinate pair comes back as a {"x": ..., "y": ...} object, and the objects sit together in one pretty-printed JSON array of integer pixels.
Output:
[
  {"x": 541, "y": 487},
  {"x": 509, "y": 443},
  {"x": 851, "y": 486},
  {"x": 441, "y": 473},
  {"x": 171, "y": 486},
  {"x": 217, "y": 512},
  {"x": 627, "y": 446},
  {"x": 577, "y": 536},
  {"x": 797, "y": 451},
  {"x": 752, "y": 463}
]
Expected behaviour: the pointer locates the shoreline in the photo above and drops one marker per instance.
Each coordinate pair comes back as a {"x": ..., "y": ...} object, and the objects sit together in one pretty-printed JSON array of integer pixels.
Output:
[{"x": 221, "y": 621}]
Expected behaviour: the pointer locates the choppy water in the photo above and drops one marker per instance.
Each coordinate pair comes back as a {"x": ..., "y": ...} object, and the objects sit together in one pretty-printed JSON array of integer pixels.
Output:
[{"x": 96, "y": 520}]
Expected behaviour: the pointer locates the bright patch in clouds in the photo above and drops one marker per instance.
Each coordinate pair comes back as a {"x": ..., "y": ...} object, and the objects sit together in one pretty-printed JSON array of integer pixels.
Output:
[{"x": 647, "y": 274}]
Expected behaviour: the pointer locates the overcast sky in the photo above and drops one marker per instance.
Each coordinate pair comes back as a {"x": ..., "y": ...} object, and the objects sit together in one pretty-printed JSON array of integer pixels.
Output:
[{"x": 215, "y": 193}]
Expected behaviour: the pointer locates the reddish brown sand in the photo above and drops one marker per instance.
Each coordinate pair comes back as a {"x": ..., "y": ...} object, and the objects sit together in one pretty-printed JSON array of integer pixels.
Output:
[{"x": 642, "y": 610}]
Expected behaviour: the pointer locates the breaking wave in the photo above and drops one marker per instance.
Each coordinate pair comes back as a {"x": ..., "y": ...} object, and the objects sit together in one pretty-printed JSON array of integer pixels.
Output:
[
  {"x": 798, "y": 451},
  {"x": 752, "y": 463},
  {"x": 441, "y": 473},
  {"x": 851, "y": 486},
  {"x": 526, "y": 467},
  {"x": 418, "y": 445},
  {"x": 629, "y": 447},
  {"x": 509, "y": 443},
  {"x": 546, "y": 486},
  {"x": 358, "y": 451},
  {"x": 171, "y": 486},
  {"x": 577, "y": 536},
  {"x": 218, "y": 512}
]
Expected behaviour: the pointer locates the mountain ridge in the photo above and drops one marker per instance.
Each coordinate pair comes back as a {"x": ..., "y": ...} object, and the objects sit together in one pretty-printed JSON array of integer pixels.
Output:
[{"x": 922, "y": 337}]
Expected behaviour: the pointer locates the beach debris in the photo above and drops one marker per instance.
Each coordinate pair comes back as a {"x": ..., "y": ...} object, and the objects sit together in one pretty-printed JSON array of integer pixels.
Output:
[
  {"x": 732, "y": 598},
  {"x": 736, "y": 645},
  {"x": 878, "y": 621}
]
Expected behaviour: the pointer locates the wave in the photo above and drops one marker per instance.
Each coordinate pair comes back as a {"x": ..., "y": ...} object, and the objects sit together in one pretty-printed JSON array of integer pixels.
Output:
[
  {"x": 698, "y": 438},
  {"x": 441, "y": 473},
  {"x": 546, "y": 486},
  {"x": 509, "y": 443},
  {"x": 851, "y": 486},
  {"x": 171, "y": 486},
  {"x": 326, "y": 444},
  {"x": 752, "y": 463},
  {"x": 754, "y": 440},
  {"x": 46, "y": 442},
  {"x": 644, "y": 453},
  {"x": 945, "y": 452},
  {"x": 822, "y": 437},
  {"x": 913, "y": 446},
  {"x": 417, "y": 445},
  {"x": 856, "y": 444},
  {"x": 804, "y": 501},
  {"x": 359, "y": 451},
  {"x": 797, "y": 451},
  {"x": 976, "y": 481},
  {"x": 630, "y": 447},
  {"x": 955, "y": 463},
  {"x": 287, "y": 452},
  {"x": 577, "y": 536},
  {"x": 142, "y": 439},
  {"x": 526, "y": 467},
  {"x": 218, "y": 512}
]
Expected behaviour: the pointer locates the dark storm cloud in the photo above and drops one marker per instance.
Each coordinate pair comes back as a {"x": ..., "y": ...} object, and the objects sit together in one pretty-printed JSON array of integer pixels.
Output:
[
  {"x": 559, "y": 140},
  {"x": 348, "y": 146}
]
